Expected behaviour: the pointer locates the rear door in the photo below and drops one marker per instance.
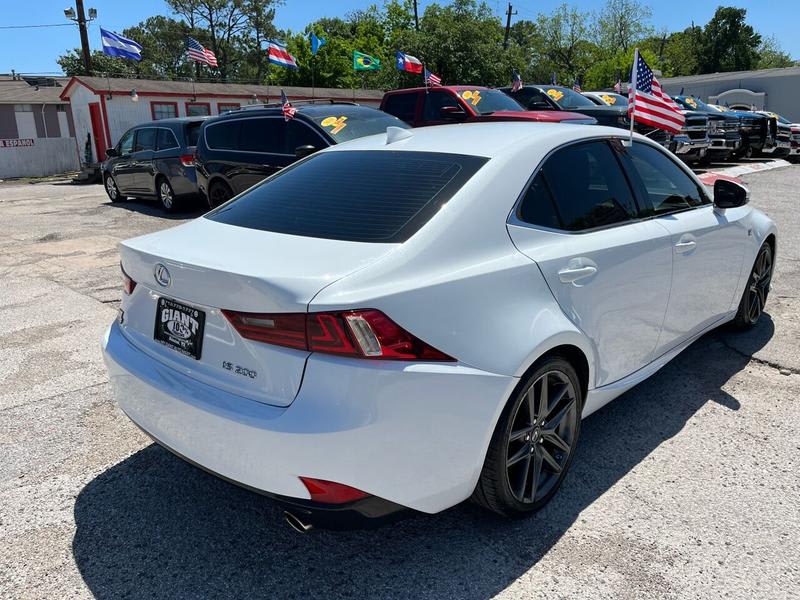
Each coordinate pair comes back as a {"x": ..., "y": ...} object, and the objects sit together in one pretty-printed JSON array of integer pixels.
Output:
[
  {"x": 144, "y": 146},
  {"x": 608, "y": 270},
  {"x": 707, "y": 245}
]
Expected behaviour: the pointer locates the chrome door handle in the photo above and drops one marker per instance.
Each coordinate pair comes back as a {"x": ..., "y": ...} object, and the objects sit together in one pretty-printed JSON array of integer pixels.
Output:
[
  {"x": 569, "y": 275},
  {"x": 684, "y": 247}
]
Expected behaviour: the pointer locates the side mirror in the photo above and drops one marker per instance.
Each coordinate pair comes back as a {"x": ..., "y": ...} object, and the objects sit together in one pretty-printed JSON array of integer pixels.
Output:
[
  {"x": 302, "y": 151},
  {"x": 729, "y": 194},
  {"x": 111, "y": 152},
  {"x": 452, "y": 113}
]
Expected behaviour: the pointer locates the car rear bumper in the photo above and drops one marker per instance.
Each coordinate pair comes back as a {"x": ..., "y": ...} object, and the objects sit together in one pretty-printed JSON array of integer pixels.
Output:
[{"x": 413, "y": 435}]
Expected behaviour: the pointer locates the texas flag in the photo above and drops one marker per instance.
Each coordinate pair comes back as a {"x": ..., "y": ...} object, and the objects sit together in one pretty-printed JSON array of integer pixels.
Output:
[
  {"x": 406, "y": 62},
  {"x": 278, "y": 55}
]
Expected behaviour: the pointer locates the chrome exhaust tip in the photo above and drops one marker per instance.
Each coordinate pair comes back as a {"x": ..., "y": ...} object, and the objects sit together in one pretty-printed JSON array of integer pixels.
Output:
[{"x": 296, "y": 523}]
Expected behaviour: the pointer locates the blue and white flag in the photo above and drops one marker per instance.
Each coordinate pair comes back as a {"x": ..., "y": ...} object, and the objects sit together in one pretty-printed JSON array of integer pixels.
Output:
[
  {"x": 116, "y": 45},
  {"x": 316, "y": 43}
]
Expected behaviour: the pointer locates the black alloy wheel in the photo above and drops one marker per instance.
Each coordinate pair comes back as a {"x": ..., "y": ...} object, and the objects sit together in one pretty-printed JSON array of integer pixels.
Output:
[
  {"x": 219, "y": 193},
  {"x": 754, "y": 297},
  {"x": 534, "y": 442}
]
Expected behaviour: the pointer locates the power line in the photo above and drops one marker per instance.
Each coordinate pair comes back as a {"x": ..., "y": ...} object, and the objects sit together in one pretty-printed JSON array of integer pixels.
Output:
[{"x": 35, "y": 26}]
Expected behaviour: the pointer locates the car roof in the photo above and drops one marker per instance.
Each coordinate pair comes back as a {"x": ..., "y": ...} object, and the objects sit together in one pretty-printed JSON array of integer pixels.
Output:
[
  {"x": 174, "y": 121},
  {"x": 482, "y": 139},
  {"x": 455, "y": 88},
  {"x": 310, "y": 110}
]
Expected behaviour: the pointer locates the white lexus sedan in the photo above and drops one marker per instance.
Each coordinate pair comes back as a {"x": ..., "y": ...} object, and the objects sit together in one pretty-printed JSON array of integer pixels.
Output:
[{"x": 424, "y": 316}]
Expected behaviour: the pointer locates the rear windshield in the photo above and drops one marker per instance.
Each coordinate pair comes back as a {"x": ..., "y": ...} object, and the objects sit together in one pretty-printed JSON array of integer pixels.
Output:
[
  {"x": 344, "y": 123},
  {"x": 193, "y": 132},
  {"x": 358, "y": 196}
]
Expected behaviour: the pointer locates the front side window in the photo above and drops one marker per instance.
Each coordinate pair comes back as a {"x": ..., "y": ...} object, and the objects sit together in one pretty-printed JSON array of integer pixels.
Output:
[
  {"x": 586, "y": 186},
  {"x": 434, "y": 102},
  {"x": 164, "y": 110},
  {"x": 667, "y": 187},
  {"x": 380, "y": 196},
  {"x": 145, "y": 139},
  {"x": 299, "y": 134},
  {"x": 125, "y": 145}
]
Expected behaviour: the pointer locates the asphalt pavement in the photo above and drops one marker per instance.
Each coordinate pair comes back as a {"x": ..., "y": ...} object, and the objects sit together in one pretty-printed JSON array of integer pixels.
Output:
[{"x": 685, "y": 487}]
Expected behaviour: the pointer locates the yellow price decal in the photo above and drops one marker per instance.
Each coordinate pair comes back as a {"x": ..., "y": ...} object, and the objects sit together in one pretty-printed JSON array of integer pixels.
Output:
[
  {"x": 609, "y": 99},
  {"x": 555, "y": 94},
  {"x": 691, "y": 102},
  {"x": 472, "y": 96},
  {"x": 337, "y": 123}
]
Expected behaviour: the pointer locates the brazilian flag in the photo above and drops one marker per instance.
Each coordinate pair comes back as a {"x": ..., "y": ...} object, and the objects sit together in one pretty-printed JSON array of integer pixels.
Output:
[{"x": 365, "y": 62}]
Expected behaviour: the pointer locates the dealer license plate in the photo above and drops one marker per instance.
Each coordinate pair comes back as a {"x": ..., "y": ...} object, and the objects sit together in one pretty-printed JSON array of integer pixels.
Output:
[{"x": 180, "y": 327}]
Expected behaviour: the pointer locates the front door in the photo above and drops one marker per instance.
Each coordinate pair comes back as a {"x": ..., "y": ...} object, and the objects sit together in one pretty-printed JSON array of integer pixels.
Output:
[
  {"x": 609, "y": 271},
  {"x": 98, "y": 133},
  {"x": 707, "y": 245}
]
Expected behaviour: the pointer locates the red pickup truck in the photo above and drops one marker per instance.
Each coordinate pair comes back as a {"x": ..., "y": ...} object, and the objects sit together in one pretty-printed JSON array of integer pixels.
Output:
[{"x": 462, "y": 103}]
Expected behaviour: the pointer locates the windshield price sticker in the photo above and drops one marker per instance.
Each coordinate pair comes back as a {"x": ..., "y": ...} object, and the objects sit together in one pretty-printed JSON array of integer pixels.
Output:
[{"x": 336, "y": 123}]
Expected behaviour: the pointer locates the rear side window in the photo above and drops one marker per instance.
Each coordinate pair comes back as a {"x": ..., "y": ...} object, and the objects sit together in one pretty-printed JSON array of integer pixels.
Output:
[
  {"x": 402, "y": 106},
  {"x": 585, "y": 187},
  {"x": 359, "y": 196},
  {"x": 223, "y": 136},
  {"x": 166, "y": 139},
  {"x": 667, "y": 187},
  {"x": 145, "y": 139},
  {"x": 263, "y": 135},
  {"x": 192, "y": 132}
]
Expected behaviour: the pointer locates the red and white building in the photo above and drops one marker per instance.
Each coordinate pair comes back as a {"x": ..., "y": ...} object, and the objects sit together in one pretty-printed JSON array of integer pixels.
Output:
[{"x": 106, "y": 108}]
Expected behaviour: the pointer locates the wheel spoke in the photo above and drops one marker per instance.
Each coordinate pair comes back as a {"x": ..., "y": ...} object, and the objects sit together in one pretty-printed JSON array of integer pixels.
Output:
[
  {"x": 552, "y": 462},
  {"x": 536, "y": 474},
  {"x": 519, "y": 434},
  {"x": 552, "y": 437},
  {"x": 520, "y": 492},
  {"x": 530, "y": 398},
  {"x": 518, "y": 456},
  {"x": 544, "y": 394},
  {"x": 555, "y": 421}
]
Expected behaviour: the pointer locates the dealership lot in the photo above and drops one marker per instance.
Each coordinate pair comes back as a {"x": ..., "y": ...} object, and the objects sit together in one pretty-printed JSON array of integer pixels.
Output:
[{"x": 684, "y": 487}]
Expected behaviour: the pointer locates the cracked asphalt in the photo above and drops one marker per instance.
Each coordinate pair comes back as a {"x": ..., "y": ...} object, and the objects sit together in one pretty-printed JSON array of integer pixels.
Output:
[{"x": 685, "y": 487}]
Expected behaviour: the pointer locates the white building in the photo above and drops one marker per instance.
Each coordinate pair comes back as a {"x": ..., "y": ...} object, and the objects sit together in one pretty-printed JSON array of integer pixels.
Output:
[
  {"x": 106, "y": 108},
  {"x": 37, "y": 133}
]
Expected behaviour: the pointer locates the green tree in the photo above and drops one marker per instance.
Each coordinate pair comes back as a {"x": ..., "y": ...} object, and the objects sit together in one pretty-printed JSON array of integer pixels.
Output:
[
  {"x": 71, "y": 63},
  {"x": 728, "y": 43},
  {"x": 621, "y": 24},
  {"x": 771, "y": 56},
  {"x": 562, "y": 46},
  {"x": 163, "y": 42}
]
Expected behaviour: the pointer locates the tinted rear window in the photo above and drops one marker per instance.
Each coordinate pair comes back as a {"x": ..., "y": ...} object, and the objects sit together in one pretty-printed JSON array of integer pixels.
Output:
[
  {"x": 192, "y": 131},
  {"x": 359, "y": 196}
]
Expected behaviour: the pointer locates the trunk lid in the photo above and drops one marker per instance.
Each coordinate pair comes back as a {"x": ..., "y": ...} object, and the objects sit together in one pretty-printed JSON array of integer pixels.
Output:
[{"x": 204, "y": 267}]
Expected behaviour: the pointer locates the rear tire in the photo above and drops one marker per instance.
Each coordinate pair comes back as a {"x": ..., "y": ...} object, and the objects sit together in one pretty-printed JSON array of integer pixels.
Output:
[
  {"x": 754, "y": 296},
  {"x": 534, "y": 441},
  {"x": 110, "y": 184},
  {"x": 218, "y": 193},
  {"x": 166, "y": 195}
]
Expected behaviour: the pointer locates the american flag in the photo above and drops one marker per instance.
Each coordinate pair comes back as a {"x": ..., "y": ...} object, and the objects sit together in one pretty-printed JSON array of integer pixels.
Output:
[
  {"x": 286, "y": 107},
  {"x": 516, "y": 81},
  {"x": 648, "y": 104},
  {"x": 618, "y": 86},
  {"x": 195, "y": 51},
  {"x": 577, "y": 86},
  {"x": 432, "y": 78}
]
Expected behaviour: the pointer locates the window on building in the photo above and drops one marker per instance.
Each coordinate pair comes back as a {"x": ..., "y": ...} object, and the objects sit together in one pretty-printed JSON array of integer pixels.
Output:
[
  {"x": 226, "y": 106},
  {"x": 23, "y": 108},
  {"x": 198, "y": 109},
  {"x": 163, "y": 110},
  {"x": 61, "y": 108}
]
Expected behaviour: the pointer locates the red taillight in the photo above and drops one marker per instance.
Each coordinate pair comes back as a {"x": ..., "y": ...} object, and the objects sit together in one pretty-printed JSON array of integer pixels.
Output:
[
  {"x": 331, "y": 492},
  {"x": 361, "y": 333},
  {"x": 187, "y": 160},
  {"x": 128, "y": 284}
]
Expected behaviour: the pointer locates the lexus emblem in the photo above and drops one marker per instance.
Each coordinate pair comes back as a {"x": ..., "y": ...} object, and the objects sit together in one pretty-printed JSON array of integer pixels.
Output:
[{"x": 162, "y": 276}]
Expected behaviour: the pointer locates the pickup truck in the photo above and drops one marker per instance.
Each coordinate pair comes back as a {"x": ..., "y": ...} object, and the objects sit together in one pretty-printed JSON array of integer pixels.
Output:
[{"x": 438, "y": 105}]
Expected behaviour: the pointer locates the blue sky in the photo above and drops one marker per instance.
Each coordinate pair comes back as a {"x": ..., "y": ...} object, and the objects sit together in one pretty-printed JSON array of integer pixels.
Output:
[{"x": 36, "y": 50}]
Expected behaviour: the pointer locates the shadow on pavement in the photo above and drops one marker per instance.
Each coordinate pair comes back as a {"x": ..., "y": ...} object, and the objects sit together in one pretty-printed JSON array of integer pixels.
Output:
[
  {"x": 190, "y": 210},
  {"x": 153, "y": 526}
]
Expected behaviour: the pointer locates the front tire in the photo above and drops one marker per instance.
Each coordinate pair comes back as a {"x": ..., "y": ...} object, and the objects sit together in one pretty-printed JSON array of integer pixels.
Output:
[
  {"x": 534, "y": 442},
  {"x": 754, "y": 296},
  {"x": 112, "y": 190}
]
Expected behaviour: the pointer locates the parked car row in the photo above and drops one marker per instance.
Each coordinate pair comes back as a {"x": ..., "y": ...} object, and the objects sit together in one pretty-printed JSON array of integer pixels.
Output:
[{"x": 176, "y": 160}]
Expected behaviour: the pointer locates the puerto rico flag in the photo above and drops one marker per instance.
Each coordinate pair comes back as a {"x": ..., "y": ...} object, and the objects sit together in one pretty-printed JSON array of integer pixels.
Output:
[
  {"x": 278, "y": 55},
  {"x": 408, "y": 63}
]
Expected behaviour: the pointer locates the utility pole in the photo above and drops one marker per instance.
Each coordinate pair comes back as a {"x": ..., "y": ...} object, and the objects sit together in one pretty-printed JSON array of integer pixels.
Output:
[
  {"x": 416, "y": 16},
  {"x": 79, "y": 17},
  {"x": 508, "y": 26}
]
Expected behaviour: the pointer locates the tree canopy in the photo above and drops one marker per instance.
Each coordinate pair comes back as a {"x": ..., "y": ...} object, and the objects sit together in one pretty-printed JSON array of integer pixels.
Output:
[{"x": 460, "y": 40}]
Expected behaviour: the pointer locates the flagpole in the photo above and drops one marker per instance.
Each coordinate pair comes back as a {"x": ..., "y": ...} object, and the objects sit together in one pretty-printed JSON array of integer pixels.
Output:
[
  {"x": 633, "y": 87},
  {"x": 313, "y": 65}
]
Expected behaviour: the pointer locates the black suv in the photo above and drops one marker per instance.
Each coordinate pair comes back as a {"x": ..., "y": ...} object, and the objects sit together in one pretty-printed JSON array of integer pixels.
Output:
[
  {"x": 154, "y": 160},
  {"x": 240, "y": 148}
]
